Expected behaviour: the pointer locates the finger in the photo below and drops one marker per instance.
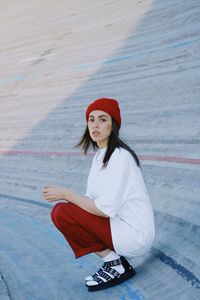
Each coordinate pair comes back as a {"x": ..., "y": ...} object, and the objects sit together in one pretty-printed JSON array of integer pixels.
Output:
[
  {"x": 47, "y": 195},
  {"x": 45, "y": 192},
  {"x": 51, "y": 200},
  {"x": 50, "y": 197}
]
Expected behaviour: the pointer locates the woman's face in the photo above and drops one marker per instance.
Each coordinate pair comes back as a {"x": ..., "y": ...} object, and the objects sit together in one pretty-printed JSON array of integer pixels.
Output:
[{"x": 100, "y": 127}]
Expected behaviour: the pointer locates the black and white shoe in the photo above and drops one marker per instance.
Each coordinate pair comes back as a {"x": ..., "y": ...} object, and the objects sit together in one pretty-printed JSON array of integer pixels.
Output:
[{"x": 107, "y": 276}]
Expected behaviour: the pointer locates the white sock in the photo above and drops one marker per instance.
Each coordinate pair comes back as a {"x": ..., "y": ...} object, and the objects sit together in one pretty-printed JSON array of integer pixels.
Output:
[
  {"x": 111, "y": 256},
  {"x": 114, "y": 256}
]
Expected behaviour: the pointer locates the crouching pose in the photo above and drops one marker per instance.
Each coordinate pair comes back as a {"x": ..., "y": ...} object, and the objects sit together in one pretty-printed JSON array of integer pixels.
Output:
[{"x": 115, "y": 218}]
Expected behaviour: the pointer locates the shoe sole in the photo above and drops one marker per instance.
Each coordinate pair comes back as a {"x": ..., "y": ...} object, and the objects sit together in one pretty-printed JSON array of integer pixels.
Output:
[{"x": 116, "y": 281}]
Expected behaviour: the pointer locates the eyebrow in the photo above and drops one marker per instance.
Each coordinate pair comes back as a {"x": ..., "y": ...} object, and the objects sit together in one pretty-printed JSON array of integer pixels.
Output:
[{"x": 99, "y": 116}]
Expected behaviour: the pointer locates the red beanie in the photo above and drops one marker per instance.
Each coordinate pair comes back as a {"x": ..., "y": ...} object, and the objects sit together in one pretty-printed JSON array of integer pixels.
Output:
[{"x": 110, "y": 106}]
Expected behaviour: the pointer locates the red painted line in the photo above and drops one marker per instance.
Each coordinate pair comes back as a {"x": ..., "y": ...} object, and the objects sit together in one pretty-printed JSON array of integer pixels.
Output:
[
  {"x": 181, "y": 160},
  {"x": 13, "y": 152}
]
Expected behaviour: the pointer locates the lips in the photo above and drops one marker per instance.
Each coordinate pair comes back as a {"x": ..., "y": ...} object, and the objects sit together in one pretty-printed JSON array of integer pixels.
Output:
[{"x": 95, "y": 133}]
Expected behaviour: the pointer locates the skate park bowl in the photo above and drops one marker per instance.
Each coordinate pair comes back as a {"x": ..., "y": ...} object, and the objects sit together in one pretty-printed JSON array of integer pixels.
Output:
[{"x": 56, "y": 58}]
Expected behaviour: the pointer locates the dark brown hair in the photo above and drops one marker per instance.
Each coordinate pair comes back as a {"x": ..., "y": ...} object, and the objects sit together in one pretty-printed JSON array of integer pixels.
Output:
[{"x": 113, "y": 142}]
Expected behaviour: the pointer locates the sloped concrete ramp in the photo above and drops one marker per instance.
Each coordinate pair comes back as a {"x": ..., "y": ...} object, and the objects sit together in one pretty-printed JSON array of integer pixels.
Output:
[{"x": 57, "y": 57}]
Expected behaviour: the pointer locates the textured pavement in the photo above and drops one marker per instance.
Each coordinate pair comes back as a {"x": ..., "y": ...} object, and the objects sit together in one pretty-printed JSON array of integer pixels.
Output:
[{"x": 56, "y": 58}]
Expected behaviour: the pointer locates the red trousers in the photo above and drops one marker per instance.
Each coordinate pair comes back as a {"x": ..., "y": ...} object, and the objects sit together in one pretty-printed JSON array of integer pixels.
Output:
[{"x": 85, "y": 232}]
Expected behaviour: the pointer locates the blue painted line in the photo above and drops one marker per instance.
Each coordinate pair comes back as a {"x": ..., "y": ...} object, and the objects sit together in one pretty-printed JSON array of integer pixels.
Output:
[
  {"x": 31, "y": 76},
  {"x": 186, "y": 274},
  {"x": 183, "y": 44},
  {"x": 132, "y": 294},
  {"x": 168, "y": 47},
  {"x": 128, "y": 287},
  {"x": 52, "y": 233},
  {"x": 26, "y": 200},
  {"x": 122, "y": 296},
  {"x": 47, "y": 230},
  {"x": 114, "y": 60},
  {"x": 18, "y": 78},
  {"x": 79, "y": 67},
  {"x": 148, "y": 52}
]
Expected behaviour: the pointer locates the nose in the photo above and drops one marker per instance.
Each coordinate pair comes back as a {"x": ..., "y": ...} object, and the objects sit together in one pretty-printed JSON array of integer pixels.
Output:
[{"x": 96, "y": 124}]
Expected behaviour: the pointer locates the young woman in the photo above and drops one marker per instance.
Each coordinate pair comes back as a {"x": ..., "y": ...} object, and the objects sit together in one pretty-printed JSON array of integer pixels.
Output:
[{"x": 115, "y": 218}]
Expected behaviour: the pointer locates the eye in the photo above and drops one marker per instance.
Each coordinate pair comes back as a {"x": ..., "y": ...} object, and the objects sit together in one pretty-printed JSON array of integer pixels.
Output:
[{"x": 103, "y": 120}]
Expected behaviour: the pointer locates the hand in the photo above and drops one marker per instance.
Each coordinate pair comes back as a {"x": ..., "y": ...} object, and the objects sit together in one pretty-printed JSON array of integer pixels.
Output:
[{"x": 53, "y": 193}]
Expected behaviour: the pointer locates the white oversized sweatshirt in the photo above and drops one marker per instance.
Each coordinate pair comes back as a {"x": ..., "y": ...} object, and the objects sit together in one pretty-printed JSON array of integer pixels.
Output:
[{"x": 119, "y": 191}]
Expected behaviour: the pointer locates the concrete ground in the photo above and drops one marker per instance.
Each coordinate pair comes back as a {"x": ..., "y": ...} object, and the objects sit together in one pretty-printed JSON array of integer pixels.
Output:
[{"x": 56, "y": 58}]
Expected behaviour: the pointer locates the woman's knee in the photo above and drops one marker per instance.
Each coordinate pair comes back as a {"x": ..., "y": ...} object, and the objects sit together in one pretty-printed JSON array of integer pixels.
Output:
[
  {"x": 61, "y": 211},
  {"x": 56, "y": 211}
]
